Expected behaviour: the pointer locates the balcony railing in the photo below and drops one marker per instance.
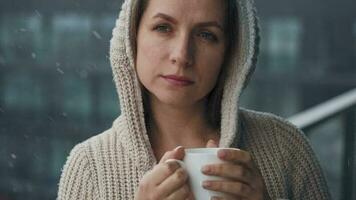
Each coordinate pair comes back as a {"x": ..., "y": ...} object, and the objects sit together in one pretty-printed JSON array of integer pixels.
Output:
[{"x": 341, "y": 106}]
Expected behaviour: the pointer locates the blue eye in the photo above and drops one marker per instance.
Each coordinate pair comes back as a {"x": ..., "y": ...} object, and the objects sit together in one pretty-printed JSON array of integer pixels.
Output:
[
  {"x": 208, "y": 36},
  {"x": 163, "y": 28}
]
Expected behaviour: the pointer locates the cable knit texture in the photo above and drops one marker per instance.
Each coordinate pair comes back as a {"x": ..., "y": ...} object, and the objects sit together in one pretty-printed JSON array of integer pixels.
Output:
[{"x": 110, "y": 165}]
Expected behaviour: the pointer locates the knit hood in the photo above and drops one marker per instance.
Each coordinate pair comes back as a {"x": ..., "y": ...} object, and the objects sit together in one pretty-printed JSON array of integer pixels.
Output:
[{"x": 240, "y": 67}]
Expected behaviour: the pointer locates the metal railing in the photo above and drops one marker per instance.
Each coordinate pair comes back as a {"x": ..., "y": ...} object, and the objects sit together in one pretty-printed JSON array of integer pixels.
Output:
[{"x": 341, "y": 106}]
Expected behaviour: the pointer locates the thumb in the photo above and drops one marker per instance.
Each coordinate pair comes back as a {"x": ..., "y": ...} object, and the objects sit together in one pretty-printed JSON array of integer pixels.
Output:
[
  {"x": 211, "y": 144},
  {"x": 178, "y": 153}
]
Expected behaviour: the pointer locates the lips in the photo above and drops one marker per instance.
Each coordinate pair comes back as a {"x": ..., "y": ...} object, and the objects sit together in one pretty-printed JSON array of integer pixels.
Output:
[{"x": 178, "y": 80}]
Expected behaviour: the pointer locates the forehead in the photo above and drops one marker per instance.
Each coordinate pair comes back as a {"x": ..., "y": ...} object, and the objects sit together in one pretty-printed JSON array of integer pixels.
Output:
[{"x": 196, "y": 10}]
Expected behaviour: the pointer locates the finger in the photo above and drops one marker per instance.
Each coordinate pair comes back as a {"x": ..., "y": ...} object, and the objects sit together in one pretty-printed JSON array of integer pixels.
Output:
[
  {"x": 190, "y": 196},
  {"x": 173, "y": 182},
  {"x": 229, "y": 170},
  {"x": 211, "y": 144},
  {"x": 162, "y": 171},
  {"x": 233, "y": 188},
  {"x": 177, "y": 153},
  {"x": 226, "y": 197},
  {"x": 181, "y": 193},
  {"x": 237, "y": 156}
]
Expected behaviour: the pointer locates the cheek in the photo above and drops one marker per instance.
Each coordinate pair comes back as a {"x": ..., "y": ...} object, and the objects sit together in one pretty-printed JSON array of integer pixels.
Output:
[
  {"x": 210, "y": 69},
  {"x": 149, "y": 58},
  {"x": 211, "y": 78},
  {"x": 150, "y": 54}
]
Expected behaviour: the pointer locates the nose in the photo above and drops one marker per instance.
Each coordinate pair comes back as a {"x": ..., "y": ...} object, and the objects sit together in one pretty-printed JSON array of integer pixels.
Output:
[{"x": 182, "y": 51}]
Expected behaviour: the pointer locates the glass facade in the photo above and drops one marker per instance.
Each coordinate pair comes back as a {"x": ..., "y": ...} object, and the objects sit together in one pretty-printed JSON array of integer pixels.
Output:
[{"x": 56, "y": 90}]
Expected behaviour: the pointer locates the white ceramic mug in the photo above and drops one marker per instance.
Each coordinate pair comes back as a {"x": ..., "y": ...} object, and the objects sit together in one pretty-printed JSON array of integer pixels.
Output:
[{"x": 194, "y": 160}]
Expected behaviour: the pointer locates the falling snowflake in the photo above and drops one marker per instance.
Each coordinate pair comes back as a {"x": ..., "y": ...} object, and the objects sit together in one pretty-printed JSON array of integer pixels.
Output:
[
  {"x": 97, "y": 35},
  {"x": 13, "y": 156},
  {"x": 60, "y": 70},
  {"x": 38, "y": 13}
]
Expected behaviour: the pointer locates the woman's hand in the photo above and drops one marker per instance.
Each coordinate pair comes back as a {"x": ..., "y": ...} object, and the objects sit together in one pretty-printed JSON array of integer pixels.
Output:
[
  {"x": 244, "y": 179},
  {"x": 167, "y": 180}
]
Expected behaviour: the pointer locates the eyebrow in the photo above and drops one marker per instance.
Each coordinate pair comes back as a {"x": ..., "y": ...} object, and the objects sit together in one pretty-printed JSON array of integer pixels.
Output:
[
  {"x": 201, "y": 24},
  {"x": 166, "y": 17},
  {"x": 213, "y": 23}
]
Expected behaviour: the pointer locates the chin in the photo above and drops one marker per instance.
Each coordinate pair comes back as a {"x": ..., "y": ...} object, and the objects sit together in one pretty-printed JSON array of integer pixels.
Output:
[{"x": 176, "y": 99}]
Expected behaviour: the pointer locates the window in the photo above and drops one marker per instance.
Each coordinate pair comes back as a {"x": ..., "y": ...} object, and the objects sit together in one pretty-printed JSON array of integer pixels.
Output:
[
  {"x": 20, "y": 36},
  {"x": 283, "y": 37},
  {"x": 76, "y": 98},
  {"x": 71, "y": 32},
  {"x": 23, "y": 92},
  {"x": 100, "y": 35}
]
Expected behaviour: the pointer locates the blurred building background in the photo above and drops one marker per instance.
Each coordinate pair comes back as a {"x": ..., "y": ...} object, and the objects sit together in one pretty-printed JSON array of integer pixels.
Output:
[{"x": 56, "y": 86}]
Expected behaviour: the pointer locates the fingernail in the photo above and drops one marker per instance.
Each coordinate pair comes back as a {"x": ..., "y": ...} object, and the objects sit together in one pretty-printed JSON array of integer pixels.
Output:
[
  {"x": 222, "y": 154},
  {"x": 206, "y": 184},
  {"x": 178, "y": 147},
  {"x": 205, "y": 169}
]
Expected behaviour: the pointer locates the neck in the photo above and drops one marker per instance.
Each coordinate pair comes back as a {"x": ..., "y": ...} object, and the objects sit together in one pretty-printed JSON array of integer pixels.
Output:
[{"x": 186, "y": 126}]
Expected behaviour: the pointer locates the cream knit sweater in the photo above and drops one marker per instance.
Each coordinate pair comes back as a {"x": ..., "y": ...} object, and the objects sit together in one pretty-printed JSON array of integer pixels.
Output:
[{"x": 110, "y": 165}]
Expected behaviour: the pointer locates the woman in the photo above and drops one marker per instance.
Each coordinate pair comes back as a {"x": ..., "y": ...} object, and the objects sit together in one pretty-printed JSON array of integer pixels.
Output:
[{"x": 180, "y": 67}]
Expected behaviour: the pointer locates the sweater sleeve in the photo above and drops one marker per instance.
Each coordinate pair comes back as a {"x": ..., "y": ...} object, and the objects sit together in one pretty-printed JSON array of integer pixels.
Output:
[
  {"x": 308, "y": 178},
  {"x": 284, "y": 156},
  {"x": 76, "y": 181}
]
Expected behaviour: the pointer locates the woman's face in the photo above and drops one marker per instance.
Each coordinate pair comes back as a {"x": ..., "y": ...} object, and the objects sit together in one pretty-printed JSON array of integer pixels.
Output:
[{"x": 180, "y": 49}]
